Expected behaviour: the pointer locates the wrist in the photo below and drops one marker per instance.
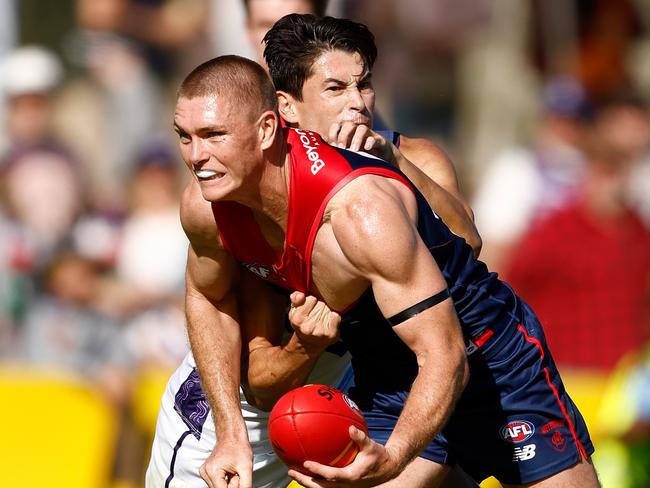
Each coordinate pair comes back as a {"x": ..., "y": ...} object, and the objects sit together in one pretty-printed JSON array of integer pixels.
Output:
[
  {"x": 296, "y": 345},
  {"x": 230, "y": 430},
  {"x": 399, "y": 454}
]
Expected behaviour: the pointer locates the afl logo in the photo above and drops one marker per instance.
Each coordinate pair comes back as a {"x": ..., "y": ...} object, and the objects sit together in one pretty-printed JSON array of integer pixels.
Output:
[
  {"x": 259, "y": 269},
  {"x": 517, "y": 431}
]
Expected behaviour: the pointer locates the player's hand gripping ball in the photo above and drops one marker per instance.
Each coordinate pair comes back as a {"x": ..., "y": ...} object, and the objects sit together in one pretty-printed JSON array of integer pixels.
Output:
[{"x": 311, "y": 423}]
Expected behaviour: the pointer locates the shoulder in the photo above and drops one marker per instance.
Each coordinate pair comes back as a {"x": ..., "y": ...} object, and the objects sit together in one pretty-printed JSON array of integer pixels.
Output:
[
  {"x": 197, "y": 218},
  {"x": 432, "y": 160},
  {"x": 368, "y": 203},
  {"x": 373, "y": 217},
  {"x": 424, "y": 149},
  {"x": 372, "y": 191}
]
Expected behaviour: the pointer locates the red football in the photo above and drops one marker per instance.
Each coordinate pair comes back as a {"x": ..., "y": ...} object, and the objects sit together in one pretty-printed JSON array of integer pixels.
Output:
[{"x": 311, "y": 423}]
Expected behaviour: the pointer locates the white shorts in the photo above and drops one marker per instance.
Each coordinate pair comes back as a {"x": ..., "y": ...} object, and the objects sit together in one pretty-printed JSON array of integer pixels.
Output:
[{"x": 185, "y": 434}]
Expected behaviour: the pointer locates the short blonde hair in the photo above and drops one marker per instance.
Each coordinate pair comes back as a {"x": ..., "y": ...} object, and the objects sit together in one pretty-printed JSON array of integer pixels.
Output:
[{"x": 239, "y": 79}]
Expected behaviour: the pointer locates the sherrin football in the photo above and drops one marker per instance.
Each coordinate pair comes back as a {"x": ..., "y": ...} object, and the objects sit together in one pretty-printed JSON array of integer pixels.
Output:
[{"x": 311, "y": 423}]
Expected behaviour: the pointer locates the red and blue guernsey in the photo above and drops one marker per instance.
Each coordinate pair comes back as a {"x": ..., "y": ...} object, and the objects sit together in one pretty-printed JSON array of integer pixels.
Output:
[{"x": 513, "y": 380}]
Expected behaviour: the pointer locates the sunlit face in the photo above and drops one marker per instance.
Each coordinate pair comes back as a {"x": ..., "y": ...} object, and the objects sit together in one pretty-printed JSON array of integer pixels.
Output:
[
  {"x": 338, "y": 90},
  {"x": 219, "y": 144},
  {"x": 262, "y": 14}
]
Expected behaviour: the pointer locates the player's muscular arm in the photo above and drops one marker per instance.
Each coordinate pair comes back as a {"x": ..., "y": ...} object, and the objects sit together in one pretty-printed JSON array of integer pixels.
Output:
[
  {"x": 438, "y": 182},
  {"x": 270, "y": 367},
  {"x": 425, "y": 164},
  {"x": 213, "y": 330},
  {"x": 376, "y": 233}
]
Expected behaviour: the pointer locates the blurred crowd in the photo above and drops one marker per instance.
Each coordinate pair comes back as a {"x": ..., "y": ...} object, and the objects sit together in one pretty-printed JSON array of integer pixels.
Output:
[{"x": 543, "y": 106}]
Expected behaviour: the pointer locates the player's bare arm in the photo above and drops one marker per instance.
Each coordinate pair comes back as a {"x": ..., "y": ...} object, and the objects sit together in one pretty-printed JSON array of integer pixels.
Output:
[
  {"x": 425, "y": 164},
  {"x": 271, "y": 368},
  {"x": 275, "y": 368},
  {"x": 213, "y": 329},
  {"x": 376, "y": 234}
]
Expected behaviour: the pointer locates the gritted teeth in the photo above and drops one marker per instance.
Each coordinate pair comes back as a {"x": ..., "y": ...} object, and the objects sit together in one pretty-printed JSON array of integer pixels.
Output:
[{"x": 207, "y": 174}]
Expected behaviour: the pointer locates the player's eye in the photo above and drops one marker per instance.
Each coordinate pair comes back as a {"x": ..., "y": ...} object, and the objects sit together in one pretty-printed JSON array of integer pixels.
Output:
[
  {"x": 214, "y": 135},
  {"x": 365, "y": 86}
]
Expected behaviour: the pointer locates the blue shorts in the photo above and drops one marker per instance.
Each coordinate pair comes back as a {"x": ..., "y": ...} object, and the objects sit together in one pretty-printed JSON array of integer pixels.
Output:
[{"x": 514, "y": 421}]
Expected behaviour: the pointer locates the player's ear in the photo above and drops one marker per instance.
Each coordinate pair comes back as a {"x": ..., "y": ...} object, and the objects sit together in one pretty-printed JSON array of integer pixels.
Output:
[
  {"x": 268, "y": 126},
  {"x": 287, "y": 107}
]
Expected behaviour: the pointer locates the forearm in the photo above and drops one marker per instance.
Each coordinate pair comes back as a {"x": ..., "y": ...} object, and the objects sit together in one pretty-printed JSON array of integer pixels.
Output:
[
  {"x": 216, "y": 346},
  {"x": 274, "y": 370},
  {"x": 453, "y": 212},
  {"x": 440, "y": 381}
]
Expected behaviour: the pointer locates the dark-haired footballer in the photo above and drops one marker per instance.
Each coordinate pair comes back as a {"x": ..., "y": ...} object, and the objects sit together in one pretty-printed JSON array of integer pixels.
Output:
[
  {"x": 422, "y": 317},
  {"x": 184, "y": 442}
]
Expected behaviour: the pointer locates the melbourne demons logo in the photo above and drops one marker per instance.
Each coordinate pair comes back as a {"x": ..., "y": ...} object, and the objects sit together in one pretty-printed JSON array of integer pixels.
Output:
[
  {"x": 554, "y": 436},
  {"x": 517, "y": 431}
]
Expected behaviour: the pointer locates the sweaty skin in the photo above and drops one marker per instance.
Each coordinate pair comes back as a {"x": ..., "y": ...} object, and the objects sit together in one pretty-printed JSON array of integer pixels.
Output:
[
  {"x": 234, "y": 156},
  {"x": 338, "y": 102}
]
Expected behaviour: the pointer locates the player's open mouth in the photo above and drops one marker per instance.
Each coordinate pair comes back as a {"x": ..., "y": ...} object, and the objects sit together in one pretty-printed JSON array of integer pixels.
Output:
[{"x": 207, "y": 174}]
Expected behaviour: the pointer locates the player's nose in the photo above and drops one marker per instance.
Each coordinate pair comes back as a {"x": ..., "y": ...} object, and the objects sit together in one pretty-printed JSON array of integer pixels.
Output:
[
  {"x": 198, "y": 153},
  {"x": 356, "y": 101}
]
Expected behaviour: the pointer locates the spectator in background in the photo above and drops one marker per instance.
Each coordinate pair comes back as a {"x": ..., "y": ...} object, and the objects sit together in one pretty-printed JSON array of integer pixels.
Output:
[
  {"x": 150, "y": 260},
  {"x": 67, "y": 327},
  {"x": 158, "y": 30},
  {"x": 262, "y": 14},
  {"x": 586, "y": 267},
  {"x": 522, "y": 184},
  {"x": 73, "y": 326},
  {"x": 44, "y": 196},
  {"x": 625, "y": 121},
  {"x": 29, "y": 77},
  {"x": 128, "y": 51},
  {"x": 145, "y": 253},
  {"x": 153, "y": 247}
]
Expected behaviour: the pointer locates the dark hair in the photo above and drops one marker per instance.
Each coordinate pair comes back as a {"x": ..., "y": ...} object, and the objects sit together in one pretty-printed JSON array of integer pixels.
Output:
[
  {"x": 318, "y": 7},
  {"x": 296, "y": 40},
  {"x": 239, "y": 79}
]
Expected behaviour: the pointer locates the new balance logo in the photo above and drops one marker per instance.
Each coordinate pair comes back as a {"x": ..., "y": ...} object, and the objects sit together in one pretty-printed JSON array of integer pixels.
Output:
[{"x": 524, "y": 453}]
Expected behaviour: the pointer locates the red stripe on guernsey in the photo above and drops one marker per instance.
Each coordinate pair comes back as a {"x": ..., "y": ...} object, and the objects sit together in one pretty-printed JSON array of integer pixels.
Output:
[
  {"x": 483, "y": 338},
  {"x": 317, "y": 172},
  {"x": 581, "y": 450}
]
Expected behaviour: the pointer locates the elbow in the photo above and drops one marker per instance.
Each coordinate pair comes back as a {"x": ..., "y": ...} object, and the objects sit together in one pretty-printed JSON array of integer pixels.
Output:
[
  {"x": 257, "y": 387},
  {"x": 473, "y": 238},
  {"x": 260, "y": 395},
  {"x": 475, "y": 242},
  {"x": 265, "y": 404}
]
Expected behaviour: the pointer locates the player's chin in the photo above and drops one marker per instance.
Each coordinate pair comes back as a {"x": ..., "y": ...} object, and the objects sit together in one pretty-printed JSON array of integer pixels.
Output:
[{"x": 216, "y": 190}]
